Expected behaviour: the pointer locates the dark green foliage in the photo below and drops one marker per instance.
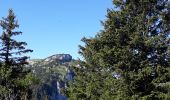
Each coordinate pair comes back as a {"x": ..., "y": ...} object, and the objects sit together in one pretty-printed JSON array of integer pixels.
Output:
[
  {"x": 130, "y": 58},
  {"x": 10, "y": 47},
  {"x": 14, "y": 78}
]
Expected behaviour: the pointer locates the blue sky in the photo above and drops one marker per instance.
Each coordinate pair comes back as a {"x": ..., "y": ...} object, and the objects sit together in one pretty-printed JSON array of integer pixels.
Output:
[{"x": 56, "y": 26}]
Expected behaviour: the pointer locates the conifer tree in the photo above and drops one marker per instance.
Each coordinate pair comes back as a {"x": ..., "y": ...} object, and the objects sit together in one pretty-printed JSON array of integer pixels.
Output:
[
  {"x": 130, "y": 58},
  {"x": 11, "y": 47},
  {"x": 11, "y": 57}
]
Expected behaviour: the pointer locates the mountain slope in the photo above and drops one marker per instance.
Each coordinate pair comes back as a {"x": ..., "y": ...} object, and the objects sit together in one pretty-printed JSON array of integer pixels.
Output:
[{"x": 54, "y": 73}]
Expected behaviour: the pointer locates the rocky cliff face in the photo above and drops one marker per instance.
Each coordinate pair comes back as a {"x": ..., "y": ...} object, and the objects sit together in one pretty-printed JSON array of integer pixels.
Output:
[
  {"x": 56, "y": 59},
  {"x": 59, "y": 58},
  {"x": 54, "y": 72}
]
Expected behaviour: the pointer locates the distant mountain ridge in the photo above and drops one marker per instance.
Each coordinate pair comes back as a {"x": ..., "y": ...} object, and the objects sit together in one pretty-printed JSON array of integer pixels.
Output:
[
  {"x": 57, "y": 58},
  {"x": 54, "y": 71}
]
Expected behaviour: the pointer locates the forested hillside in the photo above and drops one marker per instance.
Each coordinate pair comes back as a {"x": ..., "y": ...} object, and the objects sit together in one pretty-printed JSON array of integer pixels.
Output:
[{"x": 53, "y": 73}]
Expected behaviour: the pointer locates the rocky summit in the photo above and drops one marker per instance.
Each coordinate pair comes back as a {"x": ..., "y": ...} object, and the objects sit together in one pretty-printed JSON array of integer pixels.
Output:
[{"x": 59, "y": 58}]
